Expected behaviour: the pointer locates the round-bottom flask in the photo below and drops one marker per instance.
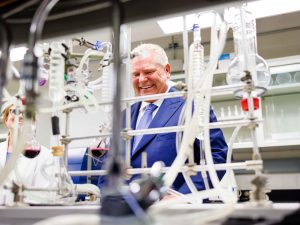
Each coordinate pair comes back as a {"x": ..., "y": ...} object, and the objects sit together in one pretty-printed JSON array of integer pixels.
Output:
[
  {"x": 260, "y": 73},
  {"x": 32, "y": 147},
  {"x": 100, "y": 148}
]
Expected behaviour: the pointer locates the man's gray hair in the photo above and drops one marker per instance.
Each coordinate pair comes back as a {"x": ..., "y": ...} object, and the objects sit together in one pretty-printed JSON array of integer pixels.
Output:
[{"x": 145, "y": 49}]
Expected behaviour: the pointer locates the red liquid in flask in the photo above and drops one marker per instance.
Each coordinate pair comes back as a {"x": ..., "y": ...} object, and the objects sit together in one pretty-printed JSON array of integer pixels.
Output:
[
  {"x": 99, "y": 152},
  {"x": 31, "y": 153}
]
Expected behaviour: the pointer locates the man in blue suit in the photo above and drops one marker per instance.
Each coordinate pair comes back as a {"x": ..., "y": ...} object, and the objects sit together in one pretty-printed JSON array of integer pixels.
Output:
[{"x": 151, "y": 75}]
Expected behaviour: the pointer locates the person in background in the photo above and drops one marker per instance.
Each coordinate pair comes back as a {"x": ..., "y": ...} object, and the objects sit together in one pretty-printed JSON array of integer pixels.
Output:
[
  {"x": 31, "y": 165},
  {"x": 151, "y": 75}
]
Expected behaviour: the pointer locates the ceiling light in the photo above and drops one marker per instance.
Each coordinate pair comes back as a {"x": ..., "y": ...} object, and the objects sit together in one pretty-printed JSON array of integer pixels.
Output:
[
  {"x": 172, "y": 25},
  {"x": 266, "y": 8},
  {"x": 17, "y": 54},
  {"x": 175, "y": 24},
  {"x": 261, "y": 8}
]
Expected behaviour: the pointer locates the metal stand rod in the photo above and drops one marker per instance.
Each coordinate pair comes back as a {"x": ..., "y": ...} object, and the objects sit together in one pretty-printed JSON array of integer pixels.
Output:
[
  {"x": 253, "y": 128},
  {"x": 161, "y": 130},
  {"x": 115, "y": 164},
  {"x": 216, "y": 91},
  {"x": 248, "y": 165},
  {"x": 128, "y": 94}
]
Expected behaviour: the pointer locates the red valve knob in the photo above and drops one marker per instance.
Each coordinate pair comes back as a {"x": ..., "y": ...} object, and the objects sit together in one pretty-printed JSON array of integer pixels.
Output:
[{"x": 244, "y": 103}]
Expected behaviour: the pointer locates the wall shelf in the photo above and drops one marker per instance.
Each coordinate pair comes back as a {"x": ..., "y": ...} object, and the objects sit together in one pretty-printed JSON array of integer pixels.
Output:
[
  {"x": 283, "y": 89},
  {"x": 281, "y": 143}
]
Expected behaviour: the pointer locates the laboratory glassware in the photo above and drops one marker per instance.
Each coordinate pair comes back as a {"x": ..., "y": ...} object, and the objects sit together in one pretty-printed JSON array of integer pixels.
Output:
[
  {"x": 198, "y": 57},
  {"x": 100, "y": 147},
  {"x": 57, "y": 69},
  {"x": 32, "y": 147},
  {"x": 245, "y": 46},
  {"x": 107, "y": 81},
  {"x": 61, "y": 182}
]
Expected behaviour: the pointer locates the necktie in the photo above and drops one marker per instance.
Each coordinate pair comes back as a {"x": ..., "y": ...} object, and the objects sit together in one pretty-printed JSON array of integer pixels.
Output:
[{"x": 144, "y": 123}]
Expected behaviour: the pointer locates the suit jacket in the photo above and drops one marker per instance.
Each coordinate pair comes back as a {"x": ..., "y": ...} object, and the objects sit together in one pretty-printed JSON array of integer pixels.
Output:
[{"x": 162, "y": 147}]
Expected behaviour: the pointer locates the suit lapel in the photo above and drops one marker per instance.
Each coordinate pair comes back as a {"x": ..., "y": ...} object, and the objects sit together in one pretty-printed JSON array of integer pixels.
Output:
[
  {"x": 165, "y": 112},
  {"x": 134, "y": 115}
]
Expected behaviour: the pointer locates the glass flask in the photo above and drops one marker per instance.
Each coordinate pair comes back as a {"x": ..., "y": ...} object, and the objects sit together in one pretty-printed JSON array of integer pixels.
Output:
[
  {"x": 245, "y": 46},
  {"x": 62, "y": 190},
  {"x": 32, "y": 147},
  {"x": 99, "y": 148}
]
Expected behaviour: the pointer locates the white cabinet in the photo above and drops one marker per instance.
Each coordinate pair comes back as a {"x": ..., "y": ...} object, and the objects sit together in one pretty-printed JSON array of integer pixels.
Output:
[
  {"x": 279, "y": 107},
  {"x": 281, "y": 113}
]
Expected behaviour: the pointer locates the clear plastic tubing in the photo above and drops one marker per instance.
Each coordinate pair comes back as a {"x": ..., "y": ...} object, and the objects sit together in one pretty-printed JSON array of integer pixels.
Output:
[{"x": 57, "y": 68}]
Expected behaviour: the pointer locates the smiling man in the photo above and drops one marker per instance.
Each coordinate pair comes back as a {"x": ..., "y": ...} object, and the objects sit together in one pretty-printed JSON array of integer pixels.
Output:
[
  {"x": 151, "y": 75},
  {"x": 150, "y": 71}
]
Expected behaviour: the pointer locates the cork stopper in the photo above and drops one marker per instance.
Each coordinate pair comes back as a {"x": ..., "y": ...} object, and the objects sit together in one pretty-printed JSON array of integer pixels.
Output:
[{"x": 57, "y": 150}]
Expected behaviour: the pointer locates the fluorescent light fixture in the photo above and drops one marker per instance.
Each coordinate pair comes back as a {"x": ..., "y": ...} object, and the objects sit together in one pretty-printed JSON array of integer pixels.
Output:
[
  {"x": 175, "y": 24},
  {"x": 172, "y": 25},
  {"x": 261, "y": 8},
  {"x": 266, "y": 8},
  {"x": 17, "y": 54}
]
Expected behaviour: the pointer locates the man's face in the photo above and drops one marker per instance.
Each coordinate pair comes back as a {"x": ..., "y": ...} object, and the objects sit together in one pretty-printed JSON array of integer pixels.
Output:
[
  {"x": 13, "y": 113},
  {"x": 149, "y": 77}
]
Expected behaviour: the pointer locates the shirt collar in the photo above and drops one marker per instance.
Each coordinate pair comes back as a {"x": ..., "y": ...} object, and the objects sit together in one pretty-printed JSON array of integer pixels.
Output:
[{"x": 157, "y": 102}]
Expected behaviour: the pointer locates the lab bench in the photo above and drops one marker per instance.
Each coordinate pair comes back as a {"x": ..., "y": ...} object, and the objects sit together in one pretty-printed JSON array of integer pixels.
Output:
[{"x": 27, "y": 215}]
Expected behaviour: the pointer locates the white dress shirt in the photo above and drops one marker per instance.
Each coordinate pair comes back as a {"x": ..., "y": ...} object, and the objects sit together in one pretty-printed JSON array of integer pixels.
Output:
[{"x": 144, "y": 105}]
